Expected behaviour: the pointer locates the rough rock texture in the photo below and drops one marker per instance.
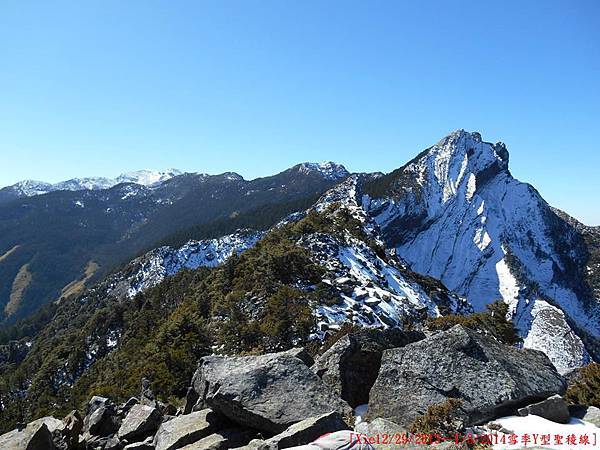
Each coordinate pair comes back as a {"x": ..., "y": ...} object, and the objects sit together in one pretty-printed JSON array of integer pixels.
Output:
[
  {"x": 380, "y": 426},
  {"x": 307, "y": 431},
  {"x": 71, "y": 429},
  {"x": 184, "y": 430},
  {"x": 351, "y": 365},
  {"x": 268, "y": 393},
  {"x": 100, "y": 419},
  {"x": 35, "y": 436},
  {"x": 589, "y": 414},
  {"x": 553, "y": 408},
  {"x": 191, "y": 398},
  {"x": 139, "y": 422},
  {"x": 146, "y": 445},
  {"x": 456, "y": 213},
  {"x": 224, "y": 439},
  {"x": 103, "y": 443},
  {"x": 492, "y": 379}
]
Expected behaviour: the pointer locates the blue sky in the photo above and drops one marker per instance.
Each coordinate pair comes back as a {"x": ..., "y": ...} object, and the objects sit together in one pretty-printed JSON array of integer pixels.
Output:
[{"x": 98, "y": 88}]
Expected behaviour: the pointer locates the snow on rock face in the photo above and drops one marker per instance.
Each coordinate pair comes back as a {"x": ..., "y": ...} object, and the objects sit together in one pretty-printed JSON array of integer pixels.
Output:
[
  {"x": 29, "y": 188},
  {"x": 147, "y": 271},
  {"x": 329, "y": 170},
  {"x": 374, "y": 290},
  {"x": 457, "y": 214},
  {"x": 166, "y": 261}
]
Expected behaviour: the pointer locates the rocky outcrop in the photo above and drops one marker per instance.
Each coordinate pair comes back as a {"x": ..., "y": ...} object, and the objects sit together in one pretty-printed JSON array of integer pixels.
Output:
[
  {"x": 37, "y": 435},
  {"x": 307, "y": 431},
  {"x": 381, "y": 427},
  {"x": 224, "y": 439},
  {"x": 553, "y": 408},
  {"x": 268, "y": 393},
  {"x": 276, "y": 401},
  {"x": 184, "y": 430},
  {"x": 71, "y": 429},
  {"x": 101, "y": 419},
  {"x": 490, "y": 378},
  {"x": 141, "y": 420},
  {"x": 589, "y": 414},
  {"x": 351, "y": 365}
]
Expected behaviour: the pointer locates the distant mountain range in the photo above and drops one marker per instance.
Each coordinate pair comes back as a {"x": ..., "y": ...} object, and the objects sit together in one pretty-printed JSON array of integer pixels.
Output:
[
  {"x": 29, "y": 188},
  {"x": 54, "y": 243}
]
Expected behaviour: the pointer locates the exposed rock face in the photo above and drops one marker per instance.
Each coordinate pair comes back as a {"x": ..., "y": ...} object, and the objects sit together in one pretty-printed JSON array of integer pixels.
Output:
[
  {"x": 146, "y": 445},
  {"x": 381, "y": 427},
  {"x": 553, "y": 408},
  {"x": 72, "y": 427},
  {"x": 103, "y": 443},
  {"x": 456, "y": 213},
  {"x": 491, "y": 378},
  {"x": 100, "y": 419},
  {"x": 184, "y": 430},
  {"x": 307, "y": 431},
  {"x": 224, "y": 439},
  {"x": 351, "y": 365},
  {"x": 268, "y": 393},
  {"x": 139, "y": 422},
  {"x": 35, "y": 436},
  {"x": 589, "y": 414}
]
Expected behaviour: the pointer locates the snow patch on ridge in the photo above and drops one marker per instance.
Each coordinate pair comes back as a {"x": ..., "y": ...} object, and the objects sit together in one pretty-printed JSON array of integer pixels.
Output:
[{"x": 166, "y": 261}]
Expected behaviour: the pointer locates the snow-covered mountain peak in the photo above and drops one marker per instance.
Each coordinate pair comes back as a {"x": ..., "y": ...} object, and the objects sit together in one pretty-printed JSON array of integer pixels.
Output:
[
  {"x": 144, "y": 177},
  {"x": 461, "y": 159},
  {"x": 329, "y": 169},
  {"x": 147, "y": 177},
  {"x": 456, "y": 213}
]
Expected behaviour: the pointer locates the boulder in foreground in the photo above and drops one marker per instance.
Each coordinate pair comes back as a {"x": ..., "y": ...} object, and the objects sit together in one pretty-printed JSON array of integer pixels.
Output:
[
  {"x": 268, "y": 393},
  {"x": 183, "y": 430},
  {"x": 491, "y": 379}
]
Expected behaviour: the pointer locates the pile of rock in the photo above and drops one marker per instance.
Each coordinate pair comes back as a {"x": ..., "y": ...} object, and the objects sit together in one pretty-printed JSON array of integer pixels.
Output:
[{"x": 286, "y": 399}]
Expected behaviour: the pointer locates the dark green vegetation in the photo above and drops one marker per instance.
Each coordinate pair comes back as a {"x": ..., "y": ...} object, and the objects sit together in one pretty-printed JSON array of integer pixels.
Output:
[
  {"x": 56, "y": 235},
  {"x": 257, "y": 302},
  {"x": 492, "y": 322},
  {"x": 586, "y": 389}
]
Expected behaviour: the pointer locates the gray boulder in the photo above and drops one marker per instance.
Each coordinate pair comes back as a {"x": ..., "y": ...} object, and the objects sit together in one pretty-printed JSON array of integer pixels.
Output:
[
  {"x": 553, "y": 408},
  {"x": 380, "y": 427},
  {"x": 141, "y": 420},
  {"x": 69, "y": 432},
  {"x": 101, "y": 419},
  {"x": 224, "y": 439},
  {"x": 307, "y": 431},
  {"x": 145, "y": 445},
  {"x": 186, "y": 429},
  {"x": 589, "y": 414},
  {"x": 37, "y": 435},
  {"x": 103, "y": 443},
  {"x": 254, "y": 444},
  {"x": 268, "y": 393},
  {"x": 125, "y": 407},
  {"x": 351, "y": 365},
  {"x": 491, "y": 378}
]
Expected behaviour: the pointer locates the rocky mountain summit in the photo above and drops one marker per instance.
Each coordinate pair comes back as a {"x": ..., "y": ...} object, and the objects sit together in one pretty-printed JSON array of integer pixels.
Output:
[
  {"x": 281, "y": 400},
  {"x": 456, "y": 213}
]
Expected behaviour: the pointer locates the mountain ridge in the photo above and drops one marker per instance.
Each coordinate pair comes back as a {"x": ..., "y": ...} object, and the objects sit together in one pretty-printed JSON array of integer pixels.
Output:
[{"x": 448, "y": 233}]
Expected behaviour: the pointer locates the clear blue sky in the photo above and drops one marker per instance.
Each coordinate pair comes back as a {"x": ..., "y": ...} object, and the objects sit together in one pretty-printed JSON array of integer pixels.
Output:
[{"x": 102, "y": 87}]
